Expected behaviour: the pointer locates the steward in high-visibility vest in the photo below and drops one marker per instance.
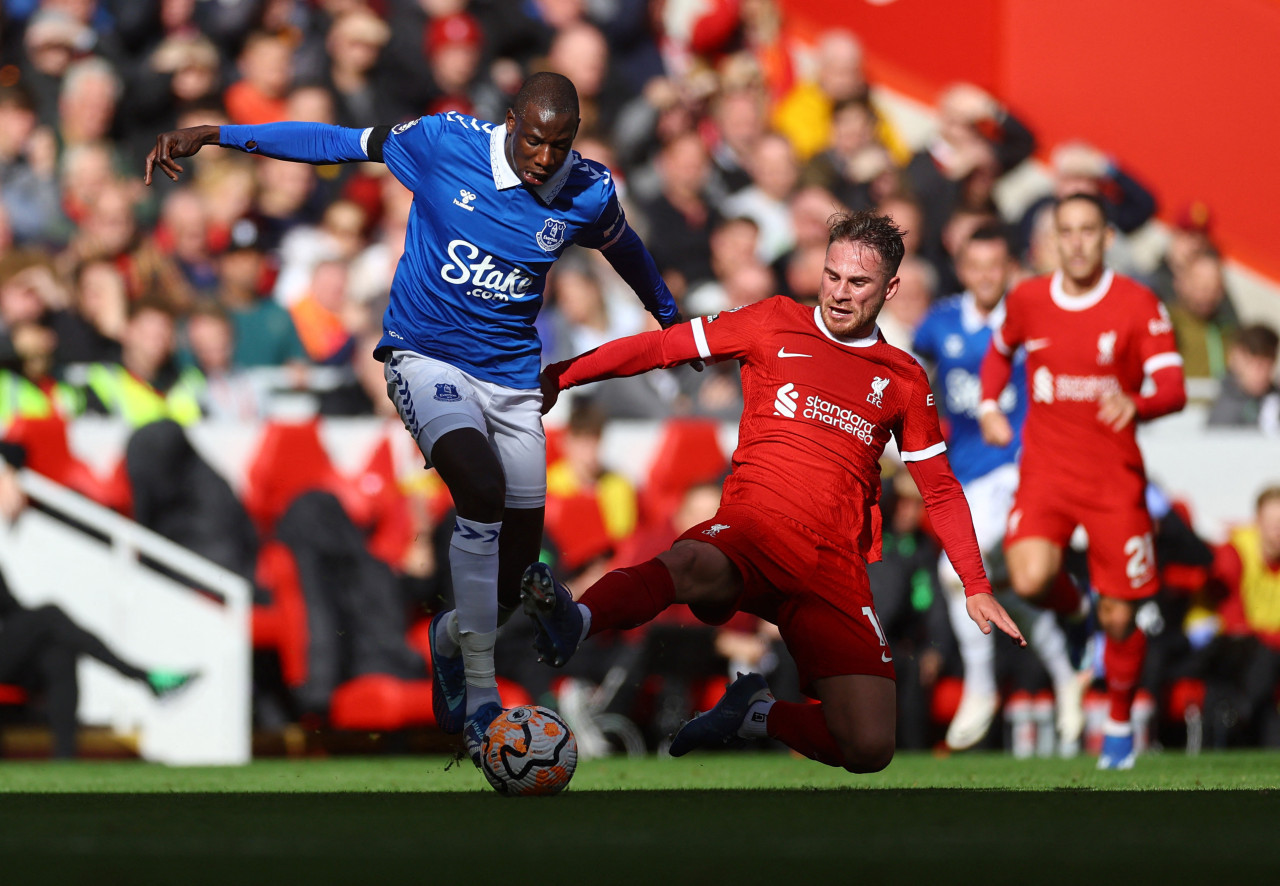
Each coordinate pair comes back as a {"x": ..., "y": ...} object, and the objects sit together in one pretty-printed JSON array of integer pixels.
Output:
[{"x": 114, "y": 390}]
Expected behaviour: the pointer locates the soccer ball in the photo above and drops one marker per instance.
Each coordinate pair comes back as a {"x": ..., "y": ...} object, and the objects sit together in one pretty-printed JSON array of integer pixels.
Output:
[{"x": 529, "y": 752}]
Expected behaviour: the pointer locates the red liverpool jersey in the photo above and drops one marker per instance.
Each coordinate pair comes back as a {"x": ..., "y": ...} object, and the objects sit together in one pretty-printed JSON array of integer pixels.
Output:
[
  {"x": 1079, "y": 347},
  {"x": 817, "y": 412}
]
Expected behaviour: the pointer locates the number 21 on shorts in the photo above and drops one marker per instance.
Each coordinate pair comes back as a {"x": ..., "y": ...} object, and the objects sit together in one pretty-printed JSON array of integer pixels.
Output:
[
  {"x": 875, "y": 624},
  {"x": 1141, "y": 551}
]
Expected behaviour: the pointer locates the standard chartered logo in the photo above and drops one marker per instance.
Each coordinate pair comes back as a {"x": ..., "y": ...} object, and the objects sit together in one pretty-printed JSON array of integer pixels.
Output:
[
  {"x": 487, "y": 279},
  {"x": 784, "y": 403},
  {"x": 822, "y": 411},
  {"x": 1042, "y": 386}
]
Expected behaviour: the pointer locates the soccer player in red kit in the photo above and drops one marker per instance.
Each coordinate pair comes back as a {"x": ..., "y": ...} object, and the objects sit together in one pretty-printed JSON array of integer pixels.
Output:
[
  {"x": 798, "y": 520},
  {"x": 1100, "y": 358}
]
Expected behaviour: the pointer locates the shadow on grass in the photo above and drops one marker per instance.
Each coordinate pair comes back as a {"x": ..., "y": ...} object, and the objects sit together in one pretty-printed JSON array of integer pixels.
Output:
[{"x": 721, "y": 837}]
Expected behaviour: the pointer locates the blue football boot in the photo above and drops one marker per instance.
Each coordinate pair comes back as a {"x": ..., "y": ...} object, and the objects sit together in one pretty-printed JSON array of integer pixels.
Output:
[
  {"x": 1117, "y": 752},
  {"x": 555, "y": 615},
  {"x": 718, "y": 727},
  {"x": 448, "y": 685}
]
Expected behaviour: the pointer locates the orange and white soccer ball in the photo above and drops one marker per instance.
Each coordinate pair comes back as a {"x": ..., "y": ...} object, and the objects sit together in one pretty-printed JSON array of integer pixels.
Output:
[{"x": 529, "y": 752}]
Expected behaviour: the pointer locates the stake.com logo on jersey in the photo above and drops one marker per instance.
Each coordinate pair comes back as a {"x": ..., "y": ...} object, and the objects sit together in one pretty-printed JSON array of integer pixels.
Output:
[{"x": 785, "y": 404}]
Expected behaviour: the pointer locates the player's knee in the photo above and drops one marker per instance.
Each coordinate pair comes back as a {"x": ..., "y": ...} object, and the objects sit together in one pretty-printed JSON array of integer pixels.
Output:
[
  {"x": 864, "y": 754},
  {"x": 481, "y": 496},
  {"x": 701, "y": 573}
]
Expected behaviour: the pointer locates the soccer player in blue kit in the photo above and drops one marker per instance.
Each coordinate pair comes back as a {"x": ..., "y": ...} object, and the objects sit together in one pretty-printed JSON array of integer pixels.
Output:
[
  {"x": 494, "y": 206},
  {"x": 953, "y": 338}
]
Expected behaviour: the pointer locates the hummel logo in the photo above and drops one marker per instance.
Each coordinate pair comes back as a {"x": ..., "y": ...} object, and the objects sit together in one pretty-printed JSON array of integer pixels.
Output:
[
  {"x": 782, "y": 352},
  {"x": 467, "y": 197},
  {"x": 715, "y": 529},
  {"x": 1035, "y": 344}
]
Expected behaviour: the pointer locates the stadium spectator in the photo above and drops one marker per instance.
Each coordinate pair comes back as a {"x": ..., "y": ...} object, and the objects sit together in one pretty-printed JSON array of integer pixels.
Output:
[
  {"x": 182, "y": 233},
  {"x": 87, "y": 102},
  {"x": 40, "y": 647},
  {"x": 903, "y": 314},
  {"x": 733, "y": 245},
  {"x": 454, "y": 45},
  {"x": 1080, "y": 168},
  {"x": 1244, "y": 664},
  {"x": 799, "y": 485},
  {"x": 266, "y": 73},
  {"x": 1202, "y": 318},
  {"x": 1100, "y": 358},
  {"x": 1190, "y": 236},
  {"x": 772, "y": 165},
  {"x": 264, "y": 330},
  {"x": 580, "y": 470},
  {"x": 680, "y": 217},
  {"x": 28, "y": 168},
  {"x": 224, "y": 391},
  {"x": 146, "y": 385},
  {"x": 354, "y": 42},
  {"x": 739, "y": 117},
  {"x": 109, "y": 232},
  {"x": 975, "y": 135},
  {"x": 1248, "y": 396}
]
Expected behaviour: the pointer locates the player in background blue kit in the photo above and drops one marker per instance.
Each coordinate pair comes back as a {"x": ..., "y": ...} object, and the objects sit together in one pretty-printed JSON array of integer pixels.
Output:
[
  {"x": 953, "y": 338},
  {"x": 494, "y": 206}
]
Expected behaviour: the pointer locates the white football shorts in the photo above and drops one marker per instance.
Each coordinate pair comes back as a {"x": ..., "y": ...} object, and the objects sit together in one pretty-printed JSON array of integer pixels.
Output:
[{"x": 434, "y": 398}]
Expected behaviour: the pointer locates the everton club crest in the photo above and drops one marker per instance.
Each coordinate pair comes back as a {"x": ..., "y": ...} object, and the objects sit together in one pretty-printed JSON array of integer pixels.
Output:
[{"x": 551, "y": 237}]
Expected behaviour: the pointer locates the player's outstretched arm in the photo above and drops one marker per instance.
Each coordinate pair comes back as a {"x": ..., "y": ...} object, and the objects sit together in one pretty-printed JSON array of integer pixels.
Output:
[
  {"x": 175, "y": 144},
  {"x": 986, "y": 611}
]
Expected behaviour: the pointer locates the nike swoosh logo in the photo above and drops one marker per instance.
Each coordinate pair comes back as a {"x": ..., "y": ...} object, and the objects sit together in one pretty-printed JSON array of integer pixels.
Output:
[
  {"x": 886, "y": 657},
  {"x": 1035, "y": 344},
  {"x": 782, "y": 352}
]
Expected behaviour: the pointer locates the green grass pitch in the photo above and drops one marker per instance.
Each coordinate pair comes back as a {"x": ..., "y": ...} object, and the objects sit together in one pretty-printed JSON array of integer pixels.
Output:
[{"x": 721, "y": 819}]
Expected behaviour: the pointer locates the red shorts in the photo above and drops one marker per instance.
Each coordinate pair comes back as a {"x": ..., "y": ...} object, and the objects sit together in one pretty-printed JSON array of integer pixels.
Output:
[
  {"x": 816, "y": 594},
  {"x": 1122, "y": 561}
]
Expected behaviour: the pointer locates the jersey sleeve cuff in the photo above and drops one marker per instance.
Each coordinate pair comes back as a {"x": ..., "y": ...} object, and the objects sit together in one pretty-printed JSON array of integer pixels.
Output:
[
  {"x": 922, "y": 454},
  {"x": 700, "y": 338}
]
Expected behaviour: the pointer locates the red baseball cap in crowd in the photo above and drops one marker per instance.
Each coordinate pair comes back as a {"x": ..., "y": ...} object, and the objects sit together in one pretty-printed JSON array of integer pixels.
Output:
[
  {"x": 1195, "y": 217},
  {"x": 450, "y": 30}
]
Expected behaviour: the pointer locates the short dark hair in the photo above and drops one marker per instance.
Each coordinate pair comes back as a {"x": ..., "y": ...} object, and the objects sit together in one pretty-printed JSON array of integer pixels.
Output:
[
  {"x": 1093, "y": 199},
  {"x": 989, "y": 231},
  {"x": 876, "y": 232},
  {"x": 1257, "y": 339},
  {"x": 547, "y": 91}
]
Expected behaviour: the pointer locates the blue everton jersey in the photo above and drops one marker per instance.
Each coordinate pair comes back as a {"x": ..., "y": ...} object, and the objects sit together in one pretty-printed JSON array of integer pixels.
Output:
[
  {"x": 479, "y": 245},
  {"x": 954, "y": 338}
]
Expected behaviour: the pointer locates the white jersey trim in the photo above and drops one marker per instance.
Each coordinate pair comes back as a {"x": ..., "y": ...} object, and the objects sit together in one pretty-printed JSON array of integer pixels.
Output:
[
  {"x": 1084, "y": 300},
  {"x": 935, "y": 449},
  {"x": 700, "y": 338},
  {"x": 1161, "y": 361}
]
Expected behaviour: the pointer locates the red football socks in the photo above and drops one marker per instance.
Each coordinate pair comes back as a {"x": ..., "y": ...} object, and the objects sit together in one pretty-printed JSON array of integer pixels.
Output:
[
  {"x": 803, "y": 728},
  {"x": 628, "y": 598},
  {"x": 1123, "y": 660}
]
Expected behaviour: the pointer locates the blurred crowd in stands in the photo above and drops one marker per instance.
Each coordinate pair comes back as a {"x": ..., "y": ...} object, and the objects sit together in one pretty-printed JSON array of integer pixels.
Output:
[{"x": 732, "y": 133}]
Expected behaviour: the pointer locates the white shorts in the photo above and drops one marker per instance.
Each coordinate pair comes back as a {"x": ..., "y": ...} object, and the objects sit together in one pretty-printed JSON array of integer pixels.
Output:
[
  {"x": 990, "y": 499},
  {"x": 434, "y": 398}
]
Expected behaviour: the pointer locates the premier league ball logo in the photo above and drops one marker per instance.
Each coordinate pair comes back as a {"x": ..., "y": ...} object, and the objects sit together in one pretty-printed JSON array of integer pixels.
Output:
[{"x": 551, "y": 237}]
